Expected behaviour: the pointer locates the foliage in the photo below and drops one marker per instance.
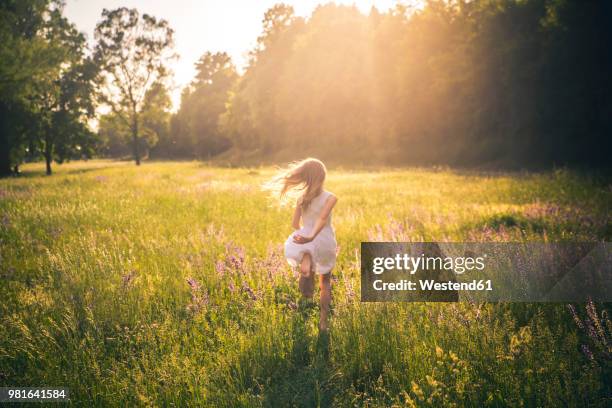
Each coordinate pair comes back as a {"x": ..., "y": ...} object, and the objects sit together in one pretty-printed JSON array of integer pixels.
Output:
[
  {"x": 46, "y": 84},
  {"x": 195, "y": 127},
  {"x": 133, "y": 52},
  {"x": 63, "y": 101},
  {"x": 505, "y": 83},
  {"x": 481, "y": 83},
  {"x": 153, "y": 124}
]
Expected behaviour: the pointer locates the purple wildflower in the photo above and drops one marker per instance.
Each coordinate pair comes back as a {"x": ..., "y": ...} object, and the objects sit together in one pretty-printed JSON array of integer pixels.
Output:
[
  {"x": 249, "y": 291},
  {"x": 199, "y": 296},
  {"x": 220, "y": 268},
  {"x": 193, "y": 284},
  {"x": 596, "y": 328},
  {"x": 276, "y": 260},
  {"x": 590, "y": 330},
  {"x": 273, "y": 264},
  {"x": 587, "y": 352},
  {"x": 235, "y": 258},
  {"x": 594, "y": 317},
  {"x": 572, "y": 310}
]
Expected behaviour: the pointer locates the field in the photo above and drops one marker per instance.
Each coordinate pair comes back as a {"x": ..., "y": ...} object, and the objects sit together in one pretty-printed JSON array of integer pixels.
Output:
[{"x": 165, "y": 285}]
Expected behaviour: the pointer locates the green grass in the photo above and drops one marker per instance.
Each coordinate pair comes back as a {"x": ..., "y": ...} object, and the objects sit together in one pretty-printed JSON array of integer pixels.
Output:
[{"x": 93, "y": 281}]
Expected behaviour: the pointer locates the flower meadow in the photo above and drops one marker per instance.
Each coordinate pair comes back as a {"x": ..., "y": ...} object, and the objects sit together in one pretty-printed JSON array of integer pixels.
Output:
[{"x": 165, "y": 285}]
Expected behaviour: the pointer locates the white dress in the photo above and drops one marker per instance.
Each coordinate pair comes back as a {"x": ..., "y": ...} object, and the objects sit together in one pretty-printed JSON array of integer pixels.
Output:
[{"x": 322, "y": 249}]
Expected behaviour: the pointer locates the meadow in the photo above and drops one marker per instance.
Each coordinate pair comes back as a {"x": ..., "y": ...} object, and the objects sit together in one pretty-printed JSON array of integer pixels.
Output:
[{"x": 165, "y": 285}]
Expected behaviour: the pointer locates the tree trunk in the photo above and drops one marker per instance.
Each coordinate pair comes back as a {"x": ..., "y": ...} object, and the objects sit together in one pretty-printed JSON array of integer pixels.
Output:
[
  {"x": 48, "y": 153},
  {"x": 5, "y": 148},
  {"x": 135, "y": 147},
  {"x": 48, "y": 163},
  {"x": 5, "y": 154}
]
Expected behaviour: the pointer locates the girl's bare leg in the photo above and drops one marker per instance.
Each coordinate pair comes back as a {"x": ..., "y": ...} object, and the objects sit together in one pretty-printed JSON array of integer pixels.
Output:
[
  {"x": 325, "y": 286},
  {"x": 306, "y": 283}
]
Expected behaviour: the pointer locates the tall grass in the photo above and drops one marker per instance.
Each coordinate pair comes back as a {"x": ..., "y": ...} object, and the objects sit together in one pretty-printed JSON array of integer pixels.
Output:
[{"x": 165, "y": 285}]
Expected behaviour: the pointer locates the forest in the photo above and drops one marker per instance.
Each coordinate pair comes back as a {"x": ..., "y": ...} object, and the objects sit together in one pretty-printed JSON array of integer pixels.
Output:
[{"x": 481, "y": 83}]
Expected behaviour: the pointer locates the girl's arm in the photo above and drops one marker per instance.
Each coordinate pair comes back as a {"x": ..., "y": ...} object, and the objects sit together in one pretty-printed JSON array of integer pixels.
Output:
[
  {"x": 321, "y": 221},
  {"x": 297, "y": 214}
]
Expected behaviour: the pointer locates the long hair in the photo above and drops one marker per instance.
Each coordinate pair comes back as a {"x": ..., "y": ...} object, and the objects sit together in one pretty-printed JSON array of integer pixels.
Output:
[{"x": 301, "y": 180}]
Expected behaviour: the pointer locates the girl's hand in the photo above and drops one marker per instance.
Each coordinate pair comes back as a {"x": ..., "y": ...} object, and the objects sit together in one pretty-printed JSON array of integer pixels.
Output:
[{"x": 300, "y": 239}]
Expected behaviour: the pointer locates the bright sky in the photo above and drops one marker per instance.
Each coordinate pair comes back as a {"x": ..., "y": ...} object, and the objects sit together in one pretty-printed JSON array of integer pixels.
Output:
[{"x": 204, "y": 25}]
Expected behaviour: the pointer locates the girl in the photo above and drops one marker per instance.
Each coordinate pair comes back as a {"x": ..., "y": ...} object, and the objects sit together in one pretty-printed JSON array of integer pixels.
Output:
[{"x": 313, "y": 245}]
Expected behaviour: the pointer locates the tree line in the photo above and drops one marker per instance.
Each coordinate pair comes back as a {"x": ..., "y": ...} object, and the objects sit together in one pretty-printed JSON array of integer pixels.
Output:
[{"x": 508, "y": 83}]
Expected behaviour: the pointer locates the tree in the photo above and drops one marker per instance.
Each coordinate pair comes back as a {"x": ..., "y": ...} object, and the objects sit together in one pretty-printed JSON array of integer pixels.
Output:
[
  {"x": 196, "y": 124},
  {"x": 72, "y": 135},
  {"x": 252, "y": 120},
  {"x": 113, "y": 134},
  {"x": 133, "y": 51},
  {"x": 64, "y": 99},
  {"x": 46, "y": 84},
  {"x": 156, "y": 114},
  {"x": 154, "y": 122},
  {"x": 26, "y": 59}
]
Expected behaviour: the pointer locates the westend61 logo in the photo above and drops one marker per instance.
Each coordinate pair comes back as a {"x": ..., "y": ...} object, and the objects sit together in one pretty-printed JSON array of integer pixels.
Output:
[{"x": 516, "y": 272}]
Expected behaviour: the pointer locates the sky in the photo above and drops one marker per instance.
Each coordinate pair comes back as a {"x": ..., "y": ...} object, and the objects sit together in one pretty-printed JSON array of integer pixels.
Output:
[{"x": 205, "y": 25}]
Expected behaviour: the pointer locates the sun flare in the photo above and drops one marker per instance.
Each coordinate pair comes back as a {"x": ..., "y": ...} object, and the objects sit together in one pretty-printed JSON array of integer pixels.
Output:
[{"x": 230, "y": 26}]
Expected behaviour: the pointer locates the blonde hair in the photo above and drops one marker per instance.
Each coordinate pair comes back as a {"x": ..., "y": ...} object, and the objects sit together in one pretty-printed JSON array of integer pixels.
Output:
[{"x": 301, "y": 180}]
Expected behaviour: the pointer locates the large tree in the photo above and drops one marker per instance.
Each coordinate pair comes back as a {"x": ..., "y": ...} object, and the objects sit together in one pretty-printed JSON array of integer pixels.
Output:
[
  {"x": 253, "y": 118},
  {"x": 46, "y": 84},
  {"x": 27, "y": 59},
  {"x": 134, "y": 51},
  {"x": 115, "y": 134},
  {"x": 196, "y": 124},
  {"x": 63, "y": 100}
]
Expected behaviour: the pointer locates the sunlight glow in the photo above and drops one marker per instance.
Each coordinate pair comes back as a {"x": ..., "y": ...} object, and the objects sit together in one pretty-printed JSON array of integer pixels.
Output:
[{"x": 231, "y": 25}]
